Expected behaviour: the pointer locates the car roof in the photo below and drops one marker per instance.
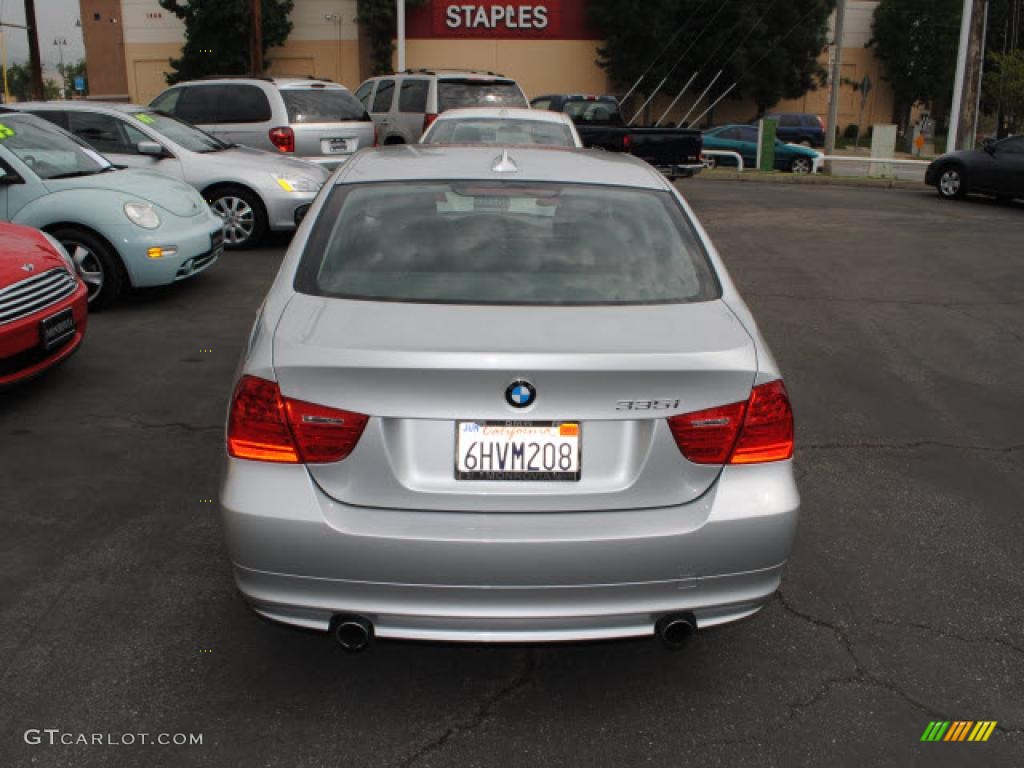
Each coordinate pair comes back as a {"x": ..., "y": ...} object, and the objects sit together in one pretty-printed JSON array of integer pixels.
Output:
[
  {"x": 422, "y": 162},
  {"x": 115, "y": 106},
  {"x": 516, "y": 113}
]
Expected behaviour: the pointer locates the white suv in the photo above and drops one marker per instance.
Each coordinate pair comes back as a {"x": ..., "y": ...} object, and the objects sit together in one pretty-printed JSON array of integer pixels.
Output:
[
  {"x": 404, "y": 105},
  {"x": 314, "y": 120}
]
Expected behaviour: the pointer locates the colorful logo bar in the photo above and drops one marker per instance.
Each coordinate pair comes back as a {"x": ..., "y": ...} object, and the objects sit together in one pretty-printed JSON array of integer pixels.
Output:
[{"x": 958, "y": 730}]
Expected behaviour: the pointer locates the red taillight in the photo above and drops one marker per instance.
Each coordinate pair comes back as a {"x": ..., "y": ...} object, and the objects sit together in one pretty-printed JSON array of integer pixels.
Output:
[
  {"x": 820, "y": 122},
  {"x": 283, "y": 138},
  {"x": 264, "y": 426},
  {"x": 758, "y": 430},
  {"x": 627, "y": 142},
  {"x": 428, "y": 120},
  {"x": 376, "y": 137}
]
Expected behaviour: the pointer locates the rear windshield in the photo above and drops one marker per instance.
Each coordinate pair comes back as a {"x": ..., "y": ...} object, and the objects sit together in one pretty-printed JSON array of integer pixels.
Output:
[
  {"x": 322, "y": 105},
  {"x": 499, "y": 131},
  {"x": 453, "y": 94},
  {"x": 594, "y": 112},
  {"x": 486, "y": 242}
]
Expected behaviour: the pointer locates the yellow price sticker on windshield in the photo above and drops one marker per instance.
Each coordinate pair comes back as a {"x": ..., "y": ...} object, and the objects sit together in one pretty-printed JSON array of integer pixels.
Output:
[
  {"x": 5, "y": 132},
  {"x": 143, "y": 118}
]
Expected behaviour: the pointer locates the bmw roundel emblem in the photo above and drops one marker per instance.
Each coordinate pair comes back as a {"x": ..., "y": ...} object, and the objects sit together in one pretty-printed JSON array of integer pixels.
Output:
[{"x": 520, "y": 394}]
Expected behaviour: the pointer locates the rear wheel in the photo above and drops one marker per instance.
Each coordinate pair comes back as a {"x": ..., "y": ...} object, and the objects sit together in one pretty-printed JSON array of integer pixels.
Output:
[
  {"x": 97, "y": 263},
  {"x": 245, "y": 220},
  {"x": 801, "y": 165},
  {"x": 805, "y": 142},
  {"x": 710, "y": 161},
  {"x": 952, "y": 182}
]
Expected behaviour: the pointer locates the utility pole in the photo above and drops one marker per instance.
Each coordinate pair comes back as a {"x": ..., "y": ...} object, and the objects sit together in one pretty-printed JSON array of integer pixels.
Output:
[
  {"x": 971, "y": 85},
  {"x": 400, "y": 19},
  {"x": 958, "y": 80},
  {"x": 256, "y": 38},
  {"x": 836, "y": 79},
  {"x": 60, "y": 42},
  {"x": 34, "y": 65}
]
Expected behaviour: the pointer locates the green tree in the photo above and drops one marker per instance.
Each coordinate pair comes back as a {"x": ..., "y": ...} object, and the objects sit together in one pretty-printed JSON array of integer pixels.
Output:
[
  {"x": 19, "y": 83},
  {"x": 70, "y": 71},
  {"x": 1004, "y": 87},
  {"x": 771, "y": 50},
  {"x": 216, "y": 35},
  {"x": 377, "y": 18},
  {"x": 916, "y": 41}
]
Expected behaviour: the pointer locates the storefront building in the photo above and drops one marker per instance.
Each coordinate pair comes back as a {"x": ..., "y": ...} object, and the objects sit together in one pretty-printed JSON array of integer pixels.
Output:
[{"x": 546, "y": 45}]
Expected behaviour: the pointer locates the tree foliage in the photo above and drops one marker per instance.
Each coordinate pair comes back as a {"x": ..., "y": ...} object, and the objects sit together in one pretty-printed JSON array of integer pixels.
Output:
[
  {"x": 378, "y": 20},
  {"x": 1004, "y": 85},
  {"x": 916, "y": 41},
  {"x": 19, "y": 83},
  {"x": 72, "y": 70},
  {"x": 217, "y": 35},
  {"x": 770, "y": 49}
]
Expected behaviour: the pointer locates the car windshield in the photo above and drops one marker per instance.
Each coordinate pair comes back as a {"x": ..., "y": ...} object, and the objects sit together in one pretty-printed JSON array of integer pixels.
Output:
[
  {"x": 48, "y": 151},
  {"x": 452, "y": 94},
  {"x": 322, "y": 105},
  {"x": 485, "y": 242},
  {"x": 181, "y": 133},
  {"x": 499, "y": 131}
]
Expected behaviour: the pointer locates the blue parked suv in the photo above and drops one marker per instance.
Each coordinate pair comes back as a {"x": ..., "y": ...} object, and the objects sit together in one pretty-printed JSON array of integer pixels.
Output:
[{"x": 797, "y": 128}]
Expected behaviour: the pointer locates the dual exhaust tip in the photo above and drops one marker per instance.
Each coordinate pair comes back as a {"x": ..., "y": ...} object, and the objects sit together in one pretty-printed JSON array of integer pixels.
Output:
[{"x": 355, "y": 633}]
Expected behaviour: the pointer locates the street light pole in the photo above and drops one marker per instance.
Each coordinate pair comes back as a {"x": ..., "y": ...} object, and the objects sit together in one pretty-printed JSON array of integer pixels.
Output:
[
  {"x": 836, "y": 77},
  {"x": 60, "y": 42},
  {"x": 400, "y": 16}
]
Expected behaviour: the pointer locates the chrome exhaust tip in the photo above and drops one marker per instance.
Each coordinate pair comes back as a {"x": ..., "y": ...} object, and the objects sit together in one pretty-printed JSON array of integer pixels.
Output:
[
  {"x": 675, "y": 630},
  {"x": 353, "y": 633}
]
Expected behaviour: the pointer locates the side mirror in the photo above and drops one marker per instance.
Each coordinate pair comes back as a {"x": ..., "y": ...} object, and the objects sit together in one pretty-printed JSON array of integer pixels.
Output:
[{"x": 151, "y": 148}]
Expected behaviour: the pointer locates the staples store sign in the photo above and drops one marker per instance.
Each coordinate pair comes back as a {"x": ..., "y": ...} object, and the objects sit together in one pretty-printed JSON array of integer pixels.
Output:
[
  {"x": 497, "y": 16},
  {"x": 494, "y": 18}
]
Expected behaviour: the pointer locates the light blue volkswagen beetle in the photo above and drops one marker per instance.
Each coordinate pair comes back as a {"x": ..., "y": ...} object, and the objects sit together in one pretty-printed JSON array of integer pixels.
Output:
[{"x": 123, "y": 228}]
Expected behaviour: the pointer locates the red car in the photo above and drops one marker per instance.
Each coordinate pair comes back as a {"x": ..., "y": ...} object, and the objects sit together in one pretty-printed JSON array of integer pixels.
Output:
[{"x": 42, "y": 303}]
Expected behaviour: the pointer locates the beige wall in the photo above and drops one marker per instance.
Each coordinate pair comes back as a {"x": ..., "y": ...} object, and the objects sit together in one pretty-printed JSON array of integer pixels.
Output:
[
  {"x": 540, "y": 66},
  {"x": 337, "y": 60}
]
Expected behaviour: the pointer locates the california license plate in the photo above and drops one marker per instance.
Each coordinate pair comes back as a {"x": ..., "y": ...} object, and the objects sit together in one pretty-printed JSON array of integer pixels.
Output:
[
  {"x": 335, "y": 146},
  {"x": 56, "y": 329},
  {"x": 517, "y": 450}
]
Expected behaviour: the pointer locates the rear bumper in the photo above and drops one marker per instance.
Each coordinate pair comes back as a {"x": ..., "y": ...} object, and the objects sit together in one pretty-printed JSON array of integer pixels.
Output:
[
  {"x": 681, "y": 171},
  {"x": 300, "y": 558}
]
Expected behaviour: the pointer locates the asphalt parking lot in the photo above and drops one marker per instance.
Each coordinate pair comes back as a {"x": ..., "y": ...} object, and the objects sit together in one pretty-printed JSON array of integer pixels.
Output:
[{"x": 898, "y": 320}]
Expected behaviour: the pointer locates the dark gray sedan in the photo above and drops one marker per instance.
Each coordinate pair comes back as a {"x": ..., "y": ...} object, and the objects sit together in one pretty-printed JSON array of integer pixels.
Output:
[{"x": 996, "y": 169}]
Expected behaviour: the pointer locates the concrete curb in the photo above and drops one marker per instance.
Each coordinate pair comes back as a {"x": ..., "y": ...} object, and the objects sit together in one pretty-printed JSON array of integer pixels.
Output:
[{"x": 816, "y": 179}]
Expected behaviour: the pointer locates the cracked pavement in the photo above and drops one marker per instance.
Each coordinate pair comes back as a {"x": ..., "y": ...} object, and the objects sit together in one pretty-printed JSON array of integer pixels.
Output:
[{"x": 903, "y": 602}]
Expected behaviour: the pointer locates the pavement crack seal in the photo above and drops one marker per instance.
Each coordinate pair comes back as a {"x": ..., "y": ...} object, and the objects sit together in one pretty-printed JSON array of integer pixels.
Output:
[
  {"x": 948, "y": 635},
  {"x": 861, "y": 675},
  {"x": 910, "y": 446},
  {"x": 481, "y": 715},
  {"x": 132, "y": 422}
]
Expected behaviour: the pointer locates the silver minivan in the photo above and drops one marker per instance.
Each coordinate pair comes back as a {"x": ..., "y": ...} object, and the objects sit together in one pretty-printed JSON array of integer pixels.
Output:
[
  {"x": 404, "y": 105},
  {"x": 314, "y": 120}
]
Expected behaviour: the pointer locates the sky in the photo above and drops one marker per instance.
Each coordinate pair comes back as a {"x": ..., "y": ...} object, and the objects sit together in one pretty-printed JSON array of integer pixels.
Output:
[{"x": 56, "y": 19}]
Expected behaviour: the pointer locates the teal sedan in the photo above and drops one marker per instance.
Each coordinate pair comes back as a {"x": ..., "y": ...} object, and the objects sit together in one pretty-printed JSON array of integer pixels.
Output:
[
  {"x": 743, "y": 140},
  {"x": 122, "y": 228}
]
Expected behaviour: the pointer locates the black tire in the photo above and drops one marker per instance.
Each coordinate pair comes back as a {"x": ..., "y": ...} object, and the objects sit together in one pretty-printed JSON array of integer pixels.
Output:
[
  {"x": 245, "y": 218},
  {"x": 710, "y": 162},
  {"x": 951, "y": 183},
  {"x": 393, "y": 140},
  {"x": 805, "y": 141},
  {"x": 98, "y": 264}
]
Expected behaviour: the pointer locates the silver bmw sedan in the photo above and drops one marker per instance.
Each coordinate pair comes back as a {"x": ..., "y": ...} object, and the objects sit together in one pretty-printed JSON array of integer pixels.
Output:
[{"x": 506, "y": 396}]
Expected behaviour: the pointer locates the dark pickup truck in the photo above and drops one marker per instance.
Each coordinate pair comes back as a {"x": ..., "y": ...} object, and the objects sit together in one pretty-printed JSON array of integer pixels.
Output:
[{"x": 673, "y": 151}]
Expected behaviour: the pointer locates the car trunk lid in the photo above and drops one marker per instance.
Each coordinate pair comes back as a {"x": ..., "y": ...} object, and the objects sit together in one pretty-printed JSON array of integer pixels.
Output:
[{"x": 418, "y": 369}]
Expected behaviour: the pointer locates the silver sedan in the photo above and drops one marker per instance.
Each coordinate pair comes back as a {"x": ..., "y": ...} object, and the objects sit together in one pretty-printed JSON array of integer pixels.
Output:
[
  {"x": 506, "y": 396},
  {"x": 252, "y": 190}
]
